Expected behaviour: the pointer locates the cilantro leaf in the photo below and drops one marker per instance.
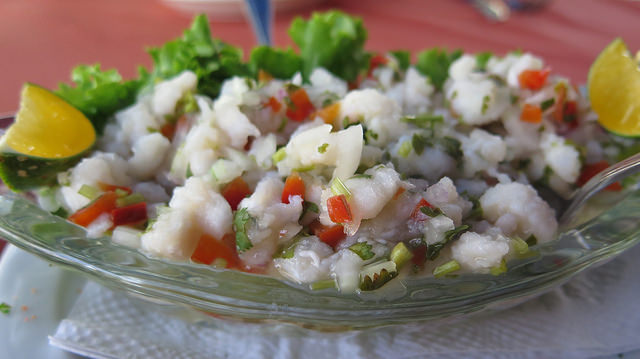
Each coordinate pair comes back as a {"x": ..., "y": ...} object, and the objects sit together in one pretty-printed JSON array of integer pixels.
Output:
[
  {"x": 435, "y": 63},
  {"x": 363, "y": 250},
  {"x": 98, "y": 94},
  {"x": 5, "y": 308},
  {"x": 333, "y": 40},
  {"x": 282, "y": 64},
  {"x": 403, "y": 57},
  {"x": 431, "y": 212},
  {"x": 425, "y": 120},
  {"x": 433, "y": 250},
  {"x": 212, "y": 60},
  {"x": 240, "y": 220},
  {"x": 481, "y": 60}
]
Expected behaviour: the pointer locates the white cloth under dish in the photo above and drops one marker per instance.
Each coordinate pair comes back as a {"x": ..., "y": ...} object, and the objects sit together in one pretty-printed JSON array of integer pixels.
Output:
[{"x": 597, "y": 313}]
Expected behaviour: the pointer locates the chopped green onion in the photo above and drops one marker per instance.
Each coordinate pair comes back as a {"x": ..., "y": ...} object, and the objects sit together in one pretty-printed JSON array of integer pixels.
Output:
[
  {"x": 363, "y": 250},
  {"x": 499, "y": 269},
  {"x": 444, "y": 269},
  {"x": 405, "y": 149},
  {"x": 338, "y": 187},
  {"x": 279, "y": 155},
  {"x": 547, "y": 103},
  {"x": 520, "y": 246},
  {"x": 129, "y": 200},
  {"x": 305, "y": 168},
  {"x": 323, "y": 148},
  {"x": 89, "y": 191},
  {"x": 362, "y": 175},
  {"x": 485, "y": 104},
  {"x": 323, "y": 284},
  {"x": 400, "y": 254}
]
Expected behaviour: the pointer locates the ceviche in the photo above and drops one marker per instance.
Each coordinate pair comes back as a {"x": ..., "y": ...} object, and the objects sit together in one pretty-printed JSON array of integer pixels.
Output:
[{"x": 329, "y": 166}]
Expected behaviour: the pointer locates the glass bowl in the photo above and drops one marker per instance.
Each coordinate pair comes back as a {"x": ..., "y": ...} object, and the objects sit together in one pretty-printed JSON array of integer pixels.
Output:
[{"x": 251, "y": 297}]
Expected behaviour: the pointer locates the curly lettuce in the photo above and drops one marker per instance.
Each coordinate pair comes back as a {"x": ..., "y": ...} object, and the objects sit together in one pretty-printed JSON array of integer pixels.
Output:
[{"x": 333, "y": 40}]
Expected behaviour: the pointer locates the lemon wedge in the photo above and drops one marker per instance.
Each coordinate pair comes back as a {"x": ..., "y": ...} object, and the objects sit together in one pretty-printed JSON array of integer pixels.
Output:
[
  {"x": 48, "y": 136},
  {"x": 614, "y": 89}
]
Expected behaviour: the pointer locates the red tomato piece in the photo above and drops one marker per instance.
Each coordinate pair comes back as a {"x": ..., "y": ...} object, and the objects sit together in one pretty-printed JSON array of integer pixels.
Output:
[
  {"x": 419, "y": 254},
  {"x": 300, "y": 106},
  {"x": 274, "y": 104},
  {"x": 417, "y": 214},
  {"x": 339, "y": 210},
  {"x": 293, "y": 186},
  {"x": 235, "y": 191},
  {"x": 331, "y": 235},
  {"x": 593, "y": 169},
  {"x": 102, "y": 204},
  {"x": 533, "y": 79},
  {"x": 375, "y": 62},
  {"x": 531, "y": 113},
  {"x": 133, "y": 213},
  {"x": 168, "y": 130},
  {"x": 209, "y": 249}
]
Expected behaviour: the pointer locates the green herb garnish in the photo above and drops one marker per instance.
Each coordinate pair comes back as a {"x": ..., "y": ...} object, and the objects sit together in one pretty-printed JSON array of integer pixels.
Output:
[
  {"x": 5, "y": 308},
  {"x": 363, "y": 250},
  {"x": 240, "y": 220}
]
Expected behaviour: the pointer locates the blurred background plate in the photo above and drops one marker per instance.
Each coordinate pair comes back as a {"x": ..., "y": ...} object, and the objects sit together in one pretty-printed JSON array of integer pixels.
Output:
[{"x": 233, "y": 10}]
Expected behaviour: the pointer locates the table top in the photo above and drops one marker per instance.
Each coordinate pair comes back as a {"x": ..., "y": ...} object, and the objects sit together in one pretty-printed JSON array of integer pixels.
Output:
[{"x": 42, "y": 40}]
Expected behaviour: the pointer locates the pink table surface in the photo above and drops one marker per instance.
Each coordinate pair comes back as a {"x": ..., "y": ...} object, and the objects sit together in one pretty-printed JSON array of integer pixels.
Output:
[{"x": 41, "y": 40}]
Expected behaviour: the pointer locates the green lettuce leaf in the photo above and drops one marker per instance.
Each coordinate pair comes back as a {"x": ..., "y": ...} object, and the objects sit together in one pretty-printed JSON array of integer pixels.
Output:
[
  {"x": 98, "y": 94},
  {"x": 212, "y": 60},
  {"x": 282, "y": 64},
  {"x": 332, "y": 40},
  {"x": 435, "y": 64}
]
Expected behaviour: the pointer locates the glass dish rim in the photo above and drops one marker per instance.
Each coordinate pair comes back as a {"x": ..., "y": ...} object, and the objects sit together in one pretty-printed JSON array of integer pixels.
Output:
[{"x": 281, "y": 301}]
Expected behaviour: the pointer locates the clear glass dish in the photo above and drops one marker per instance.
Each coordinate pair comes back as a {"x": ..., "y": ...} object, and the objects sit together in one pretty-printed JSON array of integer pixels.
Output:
[{"x": 255, "y": 297}]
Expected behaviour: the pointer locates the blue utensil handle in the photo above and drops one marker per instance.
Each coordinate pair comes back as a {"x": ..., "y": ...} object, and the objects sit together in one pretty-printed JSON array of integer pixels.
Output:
[{"x": 261, "y": 14}]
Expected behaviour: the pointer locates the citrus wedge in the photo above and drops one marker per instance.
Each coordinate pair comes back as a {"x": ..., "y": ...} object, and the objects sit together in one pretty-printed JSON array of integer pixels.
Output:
[
  {"x": 614, "y": 89},
  {"x": 48, "y": 136}
]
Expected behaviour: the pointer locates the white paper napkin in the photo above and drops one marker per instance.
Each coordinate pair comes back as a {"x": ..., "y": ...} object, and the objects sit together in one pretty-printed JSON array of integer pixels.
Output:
[{"x": 597, "y": 313}]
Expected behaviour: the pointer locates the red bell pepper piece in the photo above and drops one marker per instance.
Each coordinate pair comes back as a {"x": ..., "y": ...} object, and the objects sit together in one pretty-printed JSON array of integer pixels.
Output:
[
  {"x": 593, "y": 169},
  {"x": 533, "y": 79},
  {"x": 209, "y": 249},
  {"x": 103, "y": 204},
  {"x": 531, "y": 113},
  {"x": 293, "y": 186},
  {"x": 300, "y": 107},
  {"x": 339, "y": 210},
  {"x": 417, "y": 214},
  {"x": 133, "y": 213},
  {"x": 331, "y": 235},
  {"x": 235, "y": 191}
]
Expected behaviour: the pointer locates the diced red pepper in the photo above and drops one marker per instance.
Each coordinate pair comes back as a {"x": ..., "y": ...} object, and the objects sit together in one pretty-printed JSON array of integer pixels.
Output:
[
  {"x": 331, "y": 235},
  {"x": 328, "y": 114},
  {"x": 419, "y": 254},
  {"x": 235, "y": 191},
  {"x": 376, "y": 61},
  {"x": 247, "y": 146},
  {"x": 570, "y": 113},
  {"x": 531, "y": 113},
  {"x": 558, "y": 108},
  {"x": 168, "y": 130},
  {"x": 300, "y": 106},
  {"x": 274, "y": 104},
  {"x": 133, "y": 213},
  {"x": 417, "y": 214},
  {"x": 112, "y": 188},
  {"x": 293, "y": 186},
  {"x": 533, "y": 79},
  {"x": 339, "y": 210},
  {"x": 103, "y": 204},
  {"x": 593, "y": 169},
  {"x": 209, "y": 249},
  {"x": 399, "y": 192}
]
